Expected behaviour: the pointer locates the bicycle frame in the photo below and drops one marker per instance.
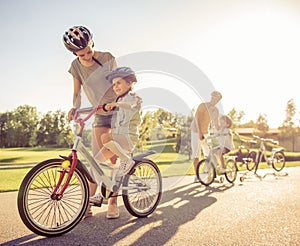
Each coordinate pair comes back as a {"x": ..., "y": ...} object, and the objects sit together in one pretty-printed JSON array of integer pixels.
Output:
[
  {"x": 79, "y": 146},
  {"x": 262, "y": 152},
  {"x": 214, "y": 156}
]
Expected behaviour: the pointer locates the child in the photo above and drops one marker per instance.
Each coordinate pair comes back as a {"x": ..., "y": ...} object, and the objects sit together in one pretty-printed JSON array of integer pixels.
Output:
[
  {"x": 225, "y": 140},
  {"x": 124, "y": 135}
]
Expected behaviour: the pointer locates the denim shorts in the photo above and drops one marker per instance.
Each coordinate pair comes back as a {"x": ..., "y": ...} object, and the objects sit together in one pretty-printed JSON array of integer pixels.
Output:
[{"x": 102, "y": 121}]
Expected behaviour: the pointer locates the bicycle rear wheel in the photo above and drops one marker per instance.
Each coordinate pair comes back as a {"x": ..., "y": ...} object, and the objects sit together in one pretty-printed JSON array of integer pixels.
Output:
[
  {"x": 231, "y": 170},
  {"x": 44, "y": 213},
  {"x": 250, "y": 161},
  {"x": 206, "y": 172},
  {"x": 278, "y": 162},
  {"x": 142, "y": 189}
]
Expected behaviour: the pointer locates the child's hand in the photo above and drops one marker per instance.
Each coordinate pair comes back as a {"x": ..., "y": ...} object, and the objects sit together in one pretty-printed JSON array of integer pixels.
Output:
[{"x": 111, "y": 106}]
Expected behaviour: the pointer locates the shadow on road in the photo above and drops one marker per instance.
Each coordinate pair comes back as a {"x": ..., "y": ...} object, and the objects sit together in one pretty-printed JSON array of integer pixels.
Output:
[{"x": 180, "y": 205}]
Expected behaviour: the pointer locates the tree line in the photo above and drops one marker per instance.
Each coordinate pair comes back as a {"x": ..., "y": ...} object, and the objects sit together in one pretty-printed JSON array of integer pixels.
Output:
[{"x": 25, "y": 127}]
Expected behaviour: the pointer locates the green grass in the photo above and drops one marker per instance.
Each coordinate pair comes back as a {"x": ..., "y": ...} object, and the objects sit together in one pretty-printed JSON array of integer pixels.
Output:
[
  {"x": 169, "y": 162},
  {"x": 10, "y": 179},
  {"x": 29, "y": 155}
]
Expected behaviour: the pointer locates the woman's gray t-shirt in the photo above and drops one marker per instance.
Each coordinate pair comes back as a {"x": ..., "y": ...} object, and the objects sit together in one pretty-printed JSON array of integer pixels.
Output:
[{"x": 98, "y": 90}]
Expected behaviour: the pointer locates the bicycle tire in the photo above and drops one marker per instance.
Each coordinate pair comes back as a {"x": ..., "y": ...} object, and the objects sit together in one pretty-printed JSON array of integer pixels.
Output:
[
  {"x": 251, "y": 157},
  {"x": 47, "y": 216},
  {"x": 206, "y": 172},
  {"x": 231, "y": 170},
  {"x": 142, "y": 189},
  {"x": 278, "y": 162}
]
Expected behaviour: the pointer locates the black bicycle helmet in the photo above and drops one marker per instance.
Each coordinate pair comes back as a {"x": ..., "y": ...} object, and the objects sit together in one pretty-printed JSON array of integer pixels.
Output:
[
  {"x": 77, "y": 38},
  {"x": 121, "y": 72}
]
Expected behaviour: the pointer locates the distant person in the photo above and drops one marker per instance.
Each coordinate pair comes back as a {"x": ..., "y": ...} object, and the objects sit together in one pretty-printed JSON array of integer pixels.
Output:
[
  {"x": 207, "y": 113},
  {"x": 225, "y": 139},
  {"x": 89, "y": 71}
]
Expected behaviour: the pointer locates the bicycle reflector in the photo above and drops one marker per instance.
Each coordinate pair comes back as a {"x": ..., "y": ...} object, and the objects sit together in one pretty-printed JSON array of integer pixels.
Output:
[{"x": 65, "y": 164}]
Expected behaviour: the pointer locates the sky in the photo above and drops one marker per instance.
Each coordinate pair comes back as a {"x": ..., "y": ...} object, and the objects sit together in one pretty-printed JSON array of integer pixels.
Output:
[{"x": 248, "y": 50}]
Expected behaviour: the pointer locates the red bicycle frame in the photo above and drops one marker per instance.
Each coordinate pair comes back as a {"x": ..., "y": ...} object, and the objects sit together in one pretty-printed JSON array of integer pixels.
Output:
[{"x": 73, "y": 155}]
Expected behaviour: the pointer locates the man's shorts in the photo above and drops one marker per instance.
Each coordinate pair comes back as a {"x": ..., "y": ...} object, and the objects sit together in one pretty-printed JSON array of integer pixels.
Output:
[{"x": 198, "y": 145}]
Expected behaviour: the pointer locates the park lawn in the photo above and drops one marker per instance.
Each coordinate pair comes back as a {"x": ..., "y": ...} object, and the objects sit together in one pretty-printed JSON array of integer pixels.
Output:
[
  {"x": 10, "y": 179},
  {"x": 169, "y": 163},
  {"x": 29, "y": 155}
]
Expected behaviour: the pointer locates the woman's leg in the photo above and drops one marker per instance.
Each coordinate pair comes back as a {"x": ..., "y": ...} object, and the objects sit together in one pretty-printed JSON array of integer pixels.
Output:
[{"x": 96, "y": 147}]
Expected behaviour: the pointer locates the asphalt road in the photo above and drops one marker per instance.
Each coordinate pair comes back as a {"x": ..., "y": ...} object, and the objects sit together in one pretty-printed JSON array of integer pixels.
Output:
[{"x": 253, "y": 212}]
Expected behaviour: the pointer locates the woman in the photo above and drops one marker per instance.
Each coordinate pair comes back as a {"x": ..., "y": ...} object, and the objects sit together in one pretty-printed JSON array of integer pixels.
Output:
[{"x": 89, "y": 71}]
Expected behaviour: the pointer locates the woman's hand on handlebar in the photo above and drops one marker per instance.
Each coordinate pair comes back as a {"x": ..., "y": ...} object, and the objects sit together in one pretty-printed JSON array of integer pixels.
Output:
[{"x": 71, "y": 113}]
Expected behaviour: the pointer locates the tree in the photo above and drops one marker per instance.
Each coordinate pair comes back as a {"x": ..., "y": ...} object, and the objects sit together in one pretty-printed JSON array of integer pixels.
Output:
[
  {"x": 4, "y": 129},
  {"x": 261, "y": 125},
  {"x": 54, "y": 130},
  {"x": 236, "y": 117},
  {"x": 145, "y": 129},
  {"x": 184, "y": 137},
  {"x": 17, "y": 128},
  {"x": 288, "y": 131}
]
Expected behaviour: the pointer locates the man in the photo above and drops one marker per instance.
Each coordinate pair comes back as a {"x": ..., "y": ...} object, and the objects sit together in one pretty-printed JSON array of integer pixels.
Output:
[{"x": 206, "y": 114}]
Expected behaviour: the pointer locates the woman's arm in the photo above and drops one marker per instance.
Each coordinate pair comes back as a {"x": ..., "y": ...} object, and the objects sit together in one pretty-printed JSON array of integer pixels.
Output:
[
  {"x": 76, "y": 97},
  {"x": 76, "y": 93}
]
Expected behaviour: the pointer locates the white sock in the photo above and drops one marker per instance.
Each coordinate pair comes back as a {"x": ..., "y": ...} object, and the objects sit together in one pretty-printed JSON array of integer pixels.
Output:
[{"x": 99, "y": 156}]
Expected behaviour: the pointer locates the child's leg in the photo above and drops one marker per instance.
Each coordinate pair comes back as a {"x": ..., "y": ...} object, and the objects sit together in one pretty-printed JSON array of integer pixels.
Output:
[
  {"x": 215, "y": 153},
  {"x": 223, "y": 152},
  {"x": 104, "y": 154},
  {"x": 117, "y": 144},
  {"x": 222, "y": 160}
]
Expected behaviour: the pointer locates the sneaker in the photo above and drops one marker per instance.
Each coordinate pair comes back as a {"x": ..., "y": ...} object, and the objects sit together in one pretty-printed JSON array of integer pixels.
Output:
[
  {"x": 98, "y": 200},
  {"x": 222, "y": 170},
  {"x": 125, "y": 167},
  {"x": 196, "y": 180},
  {"x": 112, "y": 211}
]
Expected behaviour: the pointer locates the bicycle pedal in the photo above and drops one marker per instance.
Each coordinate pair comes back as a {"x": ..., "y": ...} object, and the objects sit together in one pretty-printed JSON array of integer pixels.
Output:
[{"x": 96, "y": 204}]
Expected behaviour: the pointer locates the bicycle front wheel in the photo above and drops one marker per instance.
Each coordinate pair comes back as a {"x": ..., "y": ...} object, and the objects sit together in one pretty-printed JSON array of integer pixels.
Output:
[
  {"x": 278, "y": 162},
  {"x": 44, "y": 213},
  {"x": 231, "y": 170},
  {"x": 142, "y": 189},
  {"x": 206, "y": 172}
]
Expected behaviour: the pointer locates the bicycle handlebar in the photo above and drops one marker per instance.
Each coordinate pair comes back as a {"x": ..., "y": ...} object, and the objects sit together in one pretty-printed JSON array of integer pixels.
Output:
[
  {"x": 269, "y": 140},
  {"x": 89, "y": 110}
]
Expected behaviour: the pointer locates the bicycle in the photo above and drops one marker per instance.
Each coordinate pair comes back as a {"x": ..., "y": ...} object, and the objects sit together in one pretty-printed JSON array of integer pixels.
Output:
[
  {"x": 276, "y": 159},
  {"x": 244, "y": 154},
  {"x": 206, "y": 170},
  {"x": 54, "y": 195}
]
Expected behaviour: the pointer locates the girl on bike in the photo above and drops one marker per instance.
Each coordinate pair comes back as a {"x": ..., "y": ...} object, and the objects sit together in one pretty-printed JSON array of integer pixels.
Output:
[
  {"x": 89, "y": 71},
  {"x": 127, "y": 119},
  {"x": 124, "y": 135},
  {"x": 225, "y": 139}
]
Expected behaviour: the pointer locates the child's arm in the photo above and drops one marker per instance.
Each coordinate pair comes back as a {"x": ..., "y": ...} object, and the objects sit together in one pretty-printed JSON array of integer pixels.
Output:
[
  {"x": 112, "y": 105},
  {"x": 134, "y": 102}
]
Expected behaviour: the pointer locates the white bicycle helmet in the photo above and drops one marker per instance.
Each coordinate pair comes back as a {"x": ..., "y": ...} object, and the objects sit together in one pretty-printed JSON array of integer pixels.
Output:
[
  {"x": 77, "y": 38},
  {"x": 121, "y": 72}
]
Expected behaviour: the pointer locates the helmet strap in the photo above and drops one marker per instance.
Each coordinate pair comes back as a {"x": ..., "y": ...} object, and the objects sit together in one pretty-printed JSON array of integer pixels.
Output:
[
  {"x": 95, "y": 60},
  {"x": 123, "y": 95}
]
